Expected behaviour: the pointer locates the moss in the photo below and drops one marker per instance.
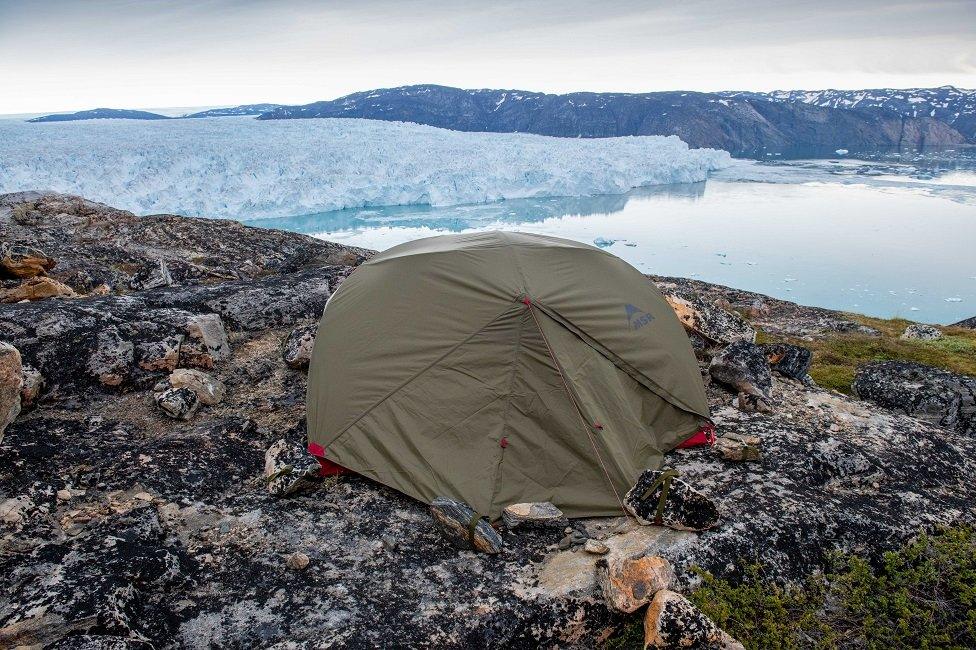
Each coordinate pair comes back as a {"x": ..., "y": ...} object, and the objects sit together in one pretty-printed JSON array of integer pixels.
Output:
[
  {"x": 836, "y": 357},
  {"x": 920, "y": 596}
]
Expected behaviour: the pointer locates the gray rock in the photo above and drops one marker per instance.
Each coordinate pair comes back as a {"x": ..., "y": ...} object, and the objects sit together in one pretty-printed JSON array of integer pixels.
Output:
[
  {"x": 178, "y": 403},
  {"x": 744, "y": 367},
  {"x": 791, "y": 361},
  {"x": 534, "y": 514},
  {"x": 297, "y": 351},
  {"x": 714, "y": 325},
  {"x": 289, "y": 468},
  {"x": 112, "y": 358},
  {"x": 152, "y": 275},
  {"x": 32, "y": 386},
  {"x": 685, "y": 508},
  {"x": 921, "y": 332},
  {"x": 22, "y": 261},
  {"x": 927, "y": 393},
  {"x": 209, "y": 391}
]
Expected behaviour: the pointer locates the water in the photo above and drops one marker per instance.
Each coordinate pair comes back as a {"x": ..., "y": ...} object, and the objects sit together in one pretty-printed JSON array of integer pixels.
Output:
[{"x": 886, "y": 234}]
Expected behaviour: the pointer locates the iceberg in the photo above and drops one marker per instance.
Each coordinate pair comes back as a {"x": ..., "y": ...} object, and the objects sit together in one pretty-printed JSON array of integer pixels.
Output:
[{"x": 243, "y": 168}]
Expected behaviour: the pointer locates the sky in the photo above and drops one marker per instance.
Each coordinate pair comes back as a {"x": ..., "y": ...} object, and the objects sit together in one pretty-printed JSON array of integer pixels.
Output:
[{"x": 65, "y": 55}]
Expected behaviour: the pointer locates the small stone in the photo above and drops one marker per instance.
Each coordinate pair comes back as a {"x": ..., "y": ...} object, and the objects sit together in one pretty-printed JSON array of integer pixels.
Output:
[
  {"x": 596, "y": 547},
  {"x": 736, "y": 450},
  {"x": 565, "y": 543},
  {"x": 297, "y": 350},
  {"x": 37, "y": 288},
  {"x": 143, "y": 496},
  {"x": 630, "y": 583},
  {"x": 64, "y": 495},
  {"x": 224, "y": 527},
  {"x": 537, "y": 514},
  {"x": 152, "y": 275},
  {"x": 208, "y": 390},
  {"x": 297, "y": 561},
  {"x": 206, "y": 342},
  {"x": 33, "y": 384},
  {"x": 454, "y": 519},
  {"x": 289, "y": 468},
  {"x": 672, "y": 621},
  {"x": 178, "y": 403},
  {"x": 389, "y": 542},
  {"x": 921, "y": 332}
]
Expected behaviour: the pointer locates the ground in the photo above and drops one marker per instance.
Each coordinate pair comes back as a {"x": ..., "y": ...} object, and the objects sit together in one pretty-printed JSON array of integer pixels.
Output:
[{"x": 121, "y": 523}]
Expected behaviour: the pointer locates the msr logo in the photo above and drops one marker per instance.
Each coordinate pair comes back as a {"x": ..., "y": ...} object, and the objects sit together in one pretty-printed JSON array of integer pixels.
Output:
[{"x": 637, "y": 318}]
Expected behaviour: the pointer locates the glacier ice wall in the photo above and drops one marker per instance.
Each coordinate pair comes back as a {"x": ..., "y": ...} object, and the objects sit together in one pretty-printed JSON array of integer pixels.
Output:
[{"x": 244, "y": 168}]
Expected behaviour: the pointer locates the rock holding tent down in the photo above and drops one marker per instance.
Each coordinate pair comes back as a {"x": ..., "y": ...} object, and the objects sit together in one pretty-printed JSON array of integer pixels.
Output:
[
  {"x": 672, "y": 621},
  {"x": 464, "y": 527},
  {"x": 684, "y": 508},
  {"x": 533, "y": 514},
  {"x": 629, "y": 583},
  {"x": 744, "y": 367}
]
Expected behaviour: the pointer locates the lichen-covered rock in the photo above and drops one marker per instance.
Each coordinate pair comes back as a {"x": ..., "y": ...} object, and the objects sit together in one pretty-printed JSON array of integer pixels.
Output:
[
  {"x": 209, "y": 391},
  {"x": 744, "y": 367},
  {"x": 11, "y": 383},
  {"x": 206, "y": 342},
  {"x": 629, "y": 583},
  {"x": 297, "y": 351},
  {"x": 178, "y": 403},
  {"x": 21, "y": 261},
  {"x": 791, "y": 361},
  {"x": 112, "y": 358},
  {"x": 534, "y": 514},
  {"x": 152, "y": 275},
  {"x": 921, "y": 332},
  {"x": 685, "y": 508},
  {"x": 32, "y": 385},
  {"x": 289, "y": 468},
  {"x": 672, "y": 621},
  {"x": 37, "y": 288},
  {"x": 717, "y": 326},
  {"x": 927, "y": 393},
  {"x": 464, "y": 527},
  {"x": 162, "y": 355}
]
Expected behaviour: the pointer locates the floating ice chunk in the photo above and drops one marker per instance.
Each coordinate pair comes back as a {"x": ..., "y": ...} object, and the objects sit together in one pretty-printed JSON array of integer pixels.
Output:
[
  {"x": 841, "y": 152},
  {"x": 245, "y": 168},
  {"x": 603, "y": 242},
  {"x": 630, "y": 243},
  {"x": 953, "y": 299},
  {"x": 789, "y": 279},
  {"x": 913, "y": 309}
]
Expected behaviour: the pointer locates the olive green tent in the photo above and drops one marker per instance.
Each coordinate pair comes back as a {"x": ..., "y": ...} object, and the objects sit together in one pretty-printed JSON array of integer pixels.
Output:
[{"x": 500, "y": 368}]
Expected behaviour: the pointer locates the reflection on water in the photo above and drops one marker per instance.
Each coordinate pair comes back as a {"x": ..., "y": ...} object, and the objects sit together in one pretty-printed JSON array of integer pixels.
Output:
[
  {"x": 458, "y": 218},
  {"x": 877, "y": 237}
]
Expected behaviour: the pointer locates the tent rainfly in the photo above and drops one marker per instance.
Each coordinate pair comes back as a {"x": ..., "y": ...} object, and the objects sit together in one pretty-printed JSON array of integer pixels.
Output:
[{"x": 499, "y": 368}]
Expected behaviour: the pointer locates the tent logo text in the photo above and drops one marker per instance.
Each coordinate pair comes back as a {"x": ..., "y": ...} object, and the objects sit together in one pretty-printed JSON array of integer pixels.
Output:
[{"x": 637, "y": 318}]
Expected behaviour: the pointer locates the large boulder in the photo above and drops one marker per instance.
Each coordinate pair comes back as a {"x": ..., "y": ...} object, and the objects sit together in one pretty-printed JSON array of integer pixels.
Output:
[
  {"x": 37, "y": 288},
  {"x": 921, "y": 332},
  {"x": 744, "y": 367},
  {"x": 629, "y": 583},
  {"x": 22, "y": 261},
  {"x": 11, "y": 383},
  {"x": 707, "y": 325},
  {"x": 209, "y": 390},
  {"x": 672, "y": 621},
  {"x": 924, "y": 392}
]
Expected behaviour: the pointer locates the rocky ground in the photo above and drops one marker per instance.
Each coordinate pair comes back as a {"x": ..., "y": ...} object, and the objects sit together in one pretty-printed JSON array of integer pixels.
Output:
[{"x": 122, "y": 526}]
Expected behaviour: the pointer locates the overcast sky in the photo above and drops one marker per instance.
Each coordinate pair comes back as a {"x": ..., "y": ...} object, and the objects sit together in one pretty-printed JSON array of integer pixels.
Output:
[{"x": 71, "y": 54}]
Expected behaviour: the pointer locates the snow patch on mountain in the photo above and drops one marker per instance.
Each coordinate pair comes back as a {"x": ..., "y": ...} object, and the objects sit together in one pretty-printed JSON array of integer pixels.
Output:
[{"x": 244, "y": 168}]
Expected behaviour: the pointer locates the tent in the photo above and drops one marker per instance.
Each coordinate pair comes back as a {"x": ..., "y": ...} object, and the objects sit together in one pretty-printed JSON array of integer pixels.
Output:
[{"x": 499, "y": 368}]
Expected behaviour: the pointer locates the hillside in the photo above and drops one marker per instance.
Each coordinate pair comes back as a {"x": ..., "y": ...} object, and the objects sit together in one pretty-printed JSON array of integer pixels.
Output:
[{"x": 101, "y": 114}]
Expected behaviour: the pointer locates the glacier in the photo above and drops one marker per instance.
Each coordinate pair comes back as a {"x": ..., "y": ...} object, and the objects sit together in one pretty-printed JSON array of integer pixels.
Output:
[{"x": 243, "y": 168}]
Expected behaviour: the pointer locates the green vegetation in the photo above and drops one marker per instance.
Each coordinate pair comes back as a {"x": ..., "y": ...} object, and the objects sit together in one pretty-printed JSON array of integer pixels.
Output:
[
  {"x": 921, "y": 596},
  {"x": 836, "y": 358}
]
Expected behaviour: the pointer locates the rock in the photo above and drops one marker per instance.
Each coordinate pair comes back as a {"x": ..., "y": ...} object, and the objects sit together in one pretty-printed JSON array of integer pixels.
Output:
[
  {"x": 736, "y": 450},
  {"x": 629, "y": 583},
  {"x": 685, "y": 508},
  {"x": 160, "y": 355},
  {"x": 209, "y": 391},
  {"x": 64, "y": 495},
  {"x": 112, "y": 359},
  {"x": 297, "y": 561},
  {"x": 32, "y": 386},
  {"x": 206, "y": 342},
  {"x": 753, "y": 403},
  {"x": 596, "y": 547},
  {"x": 790, "y": 361},
  {"x": 937, "y": 396},
  {"x": 37, "y": 288},
  {"x": 20, "y": 261},
  {"x": 455, "y": 520},
  {"x": 152, "y": 275},
  {"x": 756, "y": 310},
  {"x": 921, "y": 332},
  {"x": 672, "y": 621},
  {"x": 178, "y": 403},
  {"x": 717, "y": 326},
  {"x": 536, "y": 514},
  {"x": 297, "y": 351},
  {"x": 14, "y": 510},
  {"x": 744, "y": 367},
  {"x": 289, "y": 468},
  {"x": 11, "y": 384}
]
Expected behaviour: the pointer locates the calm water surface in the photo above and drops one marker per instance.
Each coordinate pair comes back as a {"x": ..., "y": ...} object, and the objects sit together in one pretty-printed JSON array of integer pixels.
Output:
[{"x": 885, "y": 235}]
